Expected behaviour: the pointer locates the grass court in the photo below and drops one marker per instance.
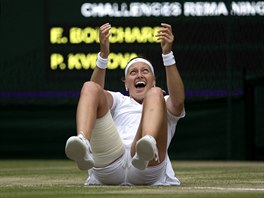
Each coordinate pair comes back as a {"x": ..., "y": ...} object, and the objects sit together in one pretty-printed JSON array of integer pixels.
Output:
[{"x": 61, "y": 178}]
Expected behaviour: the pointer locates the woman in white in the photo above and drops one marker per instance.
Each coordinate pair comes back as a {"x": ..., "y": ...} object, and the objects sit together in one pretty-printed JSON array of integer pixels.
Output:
[{"x": 123, "y": 140}]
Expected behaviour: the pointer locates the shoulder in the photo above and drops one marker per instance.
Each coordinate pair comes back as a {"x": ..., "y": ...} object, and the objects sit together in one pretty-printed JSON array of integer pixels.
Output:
[
  {"x": 116, "y": 95},
  {"x": 117, "y": 98}
]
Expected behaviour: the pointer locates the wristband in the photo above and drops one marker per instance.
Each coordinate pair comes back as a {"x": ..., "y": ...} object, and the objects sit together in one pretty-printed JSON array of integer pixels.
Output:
[
  {"x": 101, "y": 62},
  {"x": 168, "y": 59}
]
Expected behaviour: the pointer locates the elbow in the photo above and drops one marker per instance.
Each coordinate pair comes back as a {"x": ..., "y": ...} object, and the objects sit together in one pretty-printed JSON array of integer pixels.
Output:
[
  {"x": 176, "y": 102},
  {"x": 179, "y": 108}
]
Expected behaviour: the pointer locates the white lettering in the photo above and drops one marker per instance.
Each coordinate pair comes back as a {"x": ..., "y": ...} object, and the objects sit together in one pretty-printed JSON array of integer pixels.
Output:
[
  {"x": 172, "y": 9},
  {"x": 176, "y": 9},
  {"x": 133, "y": 9},
  {"x": 205, "y": 9},
  {"x": 86, "y": 9},
  {"x": 247, "y": 8}
]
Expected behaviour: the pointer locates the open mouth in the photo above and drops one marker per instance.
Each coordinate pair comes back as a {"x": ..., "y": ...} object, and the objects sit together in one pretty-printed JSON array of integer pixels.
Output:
[{"x": 140, "y": 84}]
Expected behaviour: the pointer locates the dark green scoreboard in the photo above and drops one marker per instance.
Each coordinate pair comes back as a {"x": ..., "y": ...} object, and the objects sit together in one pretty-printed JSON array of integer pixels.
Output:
[{"x": 216, "y": 43}]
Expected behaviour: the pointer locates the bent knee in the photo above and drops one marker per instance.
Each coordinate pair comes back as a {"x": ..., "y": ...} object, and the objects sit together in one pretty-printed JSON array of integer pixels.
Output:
[
  {"x": 91, "y": 87},
  {"x": 155, "y": 92}
]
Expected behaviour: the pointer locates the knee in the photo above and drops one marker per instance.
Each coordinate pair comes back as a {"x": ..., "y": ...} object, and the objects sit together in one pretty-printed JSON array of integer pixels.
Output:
[
  {"x": 155, "y": 93},
  {"x": 91, "y": 88}
]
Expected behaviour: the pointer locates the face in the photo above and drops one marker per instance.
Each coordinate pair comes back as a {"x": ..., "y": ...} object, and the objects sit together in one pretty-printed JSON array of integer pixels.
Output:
[{"x": 139, "y": 80}]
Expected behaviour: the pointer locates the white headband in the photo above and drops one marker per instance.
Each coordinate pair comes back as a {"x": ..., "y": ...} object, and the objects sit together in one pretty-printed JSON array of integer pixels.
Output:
[{"x": 139, "y": 60}]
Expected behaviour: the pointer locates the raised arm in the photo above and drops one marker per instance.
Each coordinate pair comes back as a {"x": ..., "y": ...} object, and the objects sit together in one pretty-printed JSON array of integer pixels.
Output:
[
  {"x": 175, "y": 102},
  {"x": 98, "y": 75}
]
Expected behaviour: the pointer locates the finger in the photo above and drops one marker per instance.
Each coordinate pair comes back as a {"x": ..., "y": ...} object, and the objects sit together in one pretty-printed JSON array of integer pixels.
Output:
[
  {"x": 164, "y": 35},
  {"x": 105, "y": 27},
  {"x": 108, "y": 35},
  {"x": 165, "y": 25}
]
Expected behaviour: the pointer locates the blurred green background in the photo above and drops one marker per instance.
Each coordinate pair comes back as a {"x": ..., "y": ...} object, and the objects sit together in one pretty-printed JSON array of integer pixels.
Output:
[{"x": 220, "y": 58}]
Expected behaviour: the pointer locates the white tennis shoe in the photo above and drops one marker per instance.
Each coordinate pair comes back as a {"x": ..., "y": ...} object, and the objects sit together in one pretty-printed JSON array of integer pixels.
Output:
[
  {"x": 78, "y": 149},
  {"x": 146, "y": 150}
]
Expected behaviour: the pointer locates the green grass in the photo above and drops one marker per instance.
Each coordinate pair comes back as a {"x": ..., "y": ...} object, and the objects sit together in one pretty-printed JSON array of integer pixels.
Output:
[{"x": 61, "y": 178}]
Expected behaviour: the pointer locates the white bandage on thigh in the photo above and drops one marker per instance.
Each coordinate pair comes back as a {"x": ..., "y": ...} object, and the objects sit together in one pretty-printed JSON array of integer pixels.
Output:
[{"x": 106, "y": 143}]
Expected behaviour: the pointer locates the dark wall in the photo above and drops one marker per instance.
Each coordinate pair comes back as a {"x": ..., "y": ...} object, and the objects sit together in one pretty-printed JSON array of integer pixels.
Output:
[{"x": 40, "y": 131}]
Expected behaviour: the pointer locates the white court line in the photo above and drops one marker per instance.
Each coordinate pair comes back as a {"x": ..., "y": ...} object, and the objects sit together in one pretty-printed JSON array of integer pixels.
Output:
[{"x": 227, "y": 188}]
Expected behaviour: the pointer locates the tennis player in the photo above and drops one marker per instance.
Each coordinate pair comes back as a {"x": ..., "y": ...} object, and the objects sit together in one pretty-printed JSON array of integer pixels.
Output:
[{"x": 124, "y": 140}]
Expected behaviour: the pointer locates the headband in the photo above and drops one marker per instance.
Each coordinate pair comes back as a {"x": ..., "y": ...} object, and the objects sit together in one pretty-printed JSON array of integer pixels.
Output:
[{"x": 139, "y": 60}]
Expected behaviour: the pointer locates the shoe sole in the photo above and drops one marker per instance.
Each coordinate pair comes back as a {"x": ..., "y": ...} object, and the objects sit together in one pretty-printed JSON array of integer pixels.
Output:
[
  {"x": 145, "y": 153},
  {"x": 145, "y": 150},
  {"x": 75, "y": 151}
]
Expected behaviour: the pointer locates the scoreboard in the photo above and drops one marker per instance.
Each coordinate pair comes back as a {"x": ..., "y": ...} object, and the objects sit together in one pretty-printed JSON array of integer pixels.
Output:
[
  {"x": 211, "y": 39},
  {"x": 217, "y": 44}
]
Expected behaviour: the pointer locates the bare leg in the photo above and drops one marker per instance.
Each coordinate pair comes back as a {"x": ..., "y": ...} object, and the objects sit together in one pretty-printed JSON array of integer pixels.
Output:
[
  {"x": 95, "y": 122},
  {"x": 153, "y": 122},
  {"x": 92, "y": 105}
]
